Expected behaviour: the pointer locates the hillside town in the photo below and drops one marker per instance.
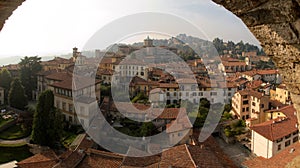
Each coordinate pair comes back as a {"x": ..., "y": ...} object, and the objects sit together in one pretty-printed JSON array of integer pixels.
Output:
[{"x": 258, "y": 123}]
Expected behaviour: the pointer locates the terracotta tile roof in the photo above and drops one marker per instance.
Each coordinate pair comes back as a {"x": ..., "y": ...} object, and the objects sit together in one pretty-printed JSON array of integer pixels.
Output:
[
  {"x": 250, "y": 73},
  {"x": 234, "y": 63},
  {"x": 182, "y": 123},
  {"x": 280, "y": 160},
  {"x": 178, "y": 156},
  {"x": 204, "y": 157},
  {"x": 139, "y": 161},
  {"x": 209, "y": 153},
  {"x": 280, "y": 127},
  {"x": 98, "y": 159},
  {"x": 104, "y": 72},
  {"x": 71, "y": 161},
  {"x": 45, "y": 159},
  {"x": 254, "y": 84},
  {"x": 56, "y": 61},
  {"x": 251, "y": 93},
  {"x": 59, "y": 76},
  {"x": 276, "y": 103},
  {"x": 138, "y": 81},
  {"x": 46, "y": 73},
  {"x": 11, "y": 67},
  {"x": 269, "y": 71},
  {"x": 66, "y": 81},
  {"x": 168, "y": 85},
  {"x": 106, "y": 60},
  {"x": 167, "y": 113}
]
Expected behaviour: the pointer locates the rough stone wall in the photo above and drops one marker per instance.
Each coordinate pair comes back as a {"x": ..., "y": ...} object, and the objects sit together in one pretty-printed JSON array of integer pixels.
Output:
[
  {"x": 276, "y": 24},
  {"x": 6, "y": 9}
]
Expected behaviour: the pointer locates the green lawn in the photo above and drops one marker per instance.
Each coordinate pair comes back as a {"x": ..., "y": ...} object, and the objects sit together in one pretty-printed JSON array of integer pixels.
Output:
[
  {"x": 68, "y": 138},
  {"x": 8, "y": 154},
  {"x": 14, "y": 132}
]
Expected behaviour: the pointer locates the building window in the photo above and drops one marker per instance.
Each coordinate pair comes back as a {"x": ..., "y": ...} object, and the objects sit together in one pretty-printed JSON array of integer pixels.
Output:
[
  {"x": 213, "y": 93},
  {"x": 64, "y": 106},
  {"x": 200, "y": 93},
  {"x": 70, "y": 119},
  {"x": 296, "y": 132},
  {"x": 295, "y": 139},
  {"x": 57, "y": 104},
  {"x": 287, "y": 143},
  {"x": 262, "y": 106},
  {"x": 245, "y": 102},
  {"x": 288, "y": 136},
  {"x": 253, "y": 104},
  {"x": 279, "y": 147},
  {"x": 279, "y": 140},
  {"x": 187, "y": 94},
  {"x": 179, "y": 134},
  {"x": 70, "y": 108}
]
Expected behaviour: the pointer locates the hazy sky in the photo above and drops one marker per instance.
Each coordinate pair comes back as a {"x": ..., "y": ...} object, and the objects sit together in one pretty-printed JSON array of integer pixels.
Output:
[{"x": 53, "y": 27}]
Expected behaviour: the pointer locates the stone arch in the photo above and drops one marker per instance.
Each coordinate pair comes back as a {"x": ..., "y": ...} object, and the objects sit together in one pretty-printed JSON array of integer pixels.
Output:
[{"x": 275, "y": 23}]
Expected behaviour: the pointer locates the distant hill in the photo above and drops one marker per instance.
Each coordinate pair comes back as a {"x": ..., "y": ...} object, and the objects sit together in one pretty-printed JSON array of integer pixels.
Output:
[{"x": 17, "y": 59}]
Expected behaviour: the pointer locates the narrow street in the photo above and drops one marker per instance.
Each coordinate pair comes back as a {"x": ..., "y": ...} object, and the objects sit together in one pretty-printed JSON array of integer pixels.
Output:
[{"x": 235, "y": 151}]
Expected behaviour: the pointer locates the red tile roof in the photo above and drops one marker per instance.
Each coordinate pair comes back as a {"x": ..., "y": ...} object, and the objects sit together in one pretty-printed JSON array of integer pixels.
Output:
[
  {"x": 269, "y": 71},
  {"x": 280, "y": 127},
  {"x": 65, "y": 81},
  {"x": 168, "y": 85},
  {"x": 98, "y": 159},
  {"x": 148, "y": 160},
  {"x": 251, "y": 93},
  {"x": 46, "y": 159},
  {"x": 280, "y": 160},
  {"x": 182, "y": 123},
  {"x": 178, "y": 156}
]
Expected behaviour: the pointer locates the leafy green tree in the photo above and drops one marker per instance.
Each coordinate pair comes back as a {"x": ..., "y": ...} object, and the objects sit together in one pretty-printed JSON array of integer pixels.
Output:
[
  {"x": 236, "y": 127},
  {"x": 30, "y": 66},
  {"x": 16, "y": 96},
  {"x": 5, "y": 81},
  {"x": 47, "y": 122},
  {"x": 140, "y": 97},
  {"x": 204, "y": 103},
  {"x": 147, "y": 129},
  {"x": 227, "y": 108}
]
